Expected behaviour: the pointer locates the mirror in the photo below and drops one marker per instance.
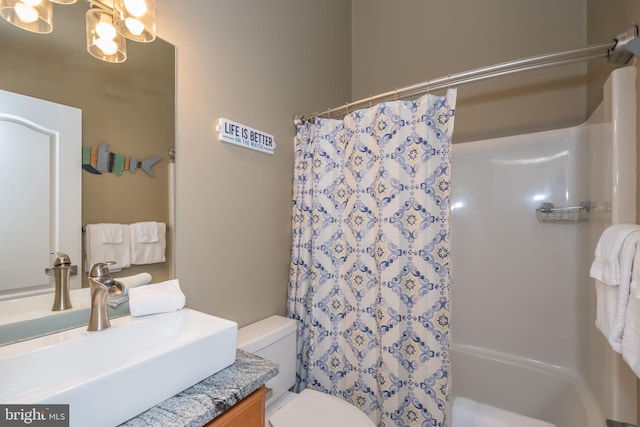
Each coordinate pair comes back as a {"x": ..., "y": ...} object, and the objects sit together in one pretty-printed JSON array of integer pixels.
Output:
[{"x": 130, "y": 106}]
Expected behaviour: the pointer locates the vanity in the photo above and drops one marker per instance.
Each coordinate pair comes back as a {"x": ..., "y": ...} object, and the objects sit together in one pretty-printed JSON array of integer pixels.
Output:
[
  {"x": 179, "y": 368},
  {"x": 233, "y": 397}
]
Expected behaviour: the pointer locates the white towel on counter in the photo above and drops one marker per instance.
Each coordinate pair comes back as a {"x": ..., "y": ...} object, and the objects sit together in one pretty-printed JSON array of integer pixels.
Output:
[
  {"x": 156, "y": 298},
  {"x": 148, "y": 242},
  {"x": 469, "y": 413},
  {"x": 128, "y": 282},
  {"x": 613, "y": 286},
  {"x": 107, "y": 242}
]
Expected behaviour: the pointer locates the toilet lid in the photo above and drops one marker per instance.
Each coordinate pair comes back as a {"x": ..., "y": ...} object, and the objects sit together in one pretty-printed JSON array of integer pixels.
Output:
[{"x": 315, "y": 409}]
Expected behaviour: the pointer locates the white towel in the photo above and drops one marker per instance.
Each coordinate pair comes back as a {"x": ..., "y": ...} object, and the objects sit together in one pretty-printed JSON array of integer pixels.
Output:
[
  {"x": 156, "y": 298},
  {"x": 631, "y": 338},
  {"x": 128, "y": 282},
  {"x": 107, "y": 242},
  {"x": 606, "y": 264},
  {"x": 612, "y": 301},
  {"x": 469, "y": 413},
  {"x": 148, "y": 242},
  {"x": 144, "y": 232}
]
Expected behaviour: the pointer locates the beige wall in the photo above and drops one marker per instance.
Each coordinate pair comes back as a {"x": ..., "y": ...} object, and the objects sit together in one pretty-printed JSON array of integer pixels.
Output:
[
  {"x": 128, "y": 105},
  {"x": 257, "y": 63},
  {"x": 408, "y": 41}
]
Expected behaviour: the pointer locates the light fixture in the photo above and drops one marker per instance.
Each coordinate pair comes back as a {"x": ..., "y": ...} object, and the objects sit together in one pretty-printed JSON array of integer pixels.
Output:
[
  {"x": 103, "y": 41},
  {"x": 136, "y": 19},
  {"x": 109, "y": 22},
  {"x": 31, "y": 15}
]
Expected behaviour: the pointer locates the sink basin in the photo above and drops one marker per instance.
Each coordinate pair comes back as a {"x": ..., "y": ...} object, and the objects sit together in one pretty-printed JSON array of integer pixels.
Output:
[{"x": 110, "y": 376}]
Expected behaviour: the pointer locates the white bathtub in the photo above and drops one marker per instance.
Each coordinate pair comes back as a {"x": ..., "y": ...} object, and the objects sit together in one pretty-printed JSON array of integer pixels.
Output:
[
  {"x": 527, "y": 387},
  {"x": 523, "y": 305}
]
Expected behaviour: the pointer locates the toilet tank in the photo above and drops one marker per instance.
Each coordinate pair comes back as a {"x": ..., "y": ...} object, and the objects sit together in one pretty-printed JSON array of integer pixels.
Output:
[{"x": 273, "y": 338}]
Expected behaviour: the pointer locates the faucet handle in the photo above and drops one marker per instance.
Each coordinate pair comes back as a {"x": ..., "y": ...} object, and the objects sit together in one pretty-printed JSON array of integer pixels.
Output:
[
  {"x": 61, "y": 259},
  {"x": 100, "y": 269}
]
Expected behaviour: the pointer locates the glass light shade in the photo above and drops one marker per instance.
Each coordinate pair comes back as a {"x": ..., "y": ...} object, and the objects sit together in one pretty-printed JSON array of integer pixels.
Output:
[
  {"x": 103, "y": 41},
  {"x": 31, "y": 15},
  {"x": 136, "y": 19}
]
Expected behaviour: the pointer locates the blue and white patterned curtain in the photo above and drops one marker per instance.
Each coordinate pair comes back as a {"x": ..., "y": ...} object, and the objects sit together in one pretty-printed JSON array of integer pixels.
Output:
[{"x": 369, "y": 281}]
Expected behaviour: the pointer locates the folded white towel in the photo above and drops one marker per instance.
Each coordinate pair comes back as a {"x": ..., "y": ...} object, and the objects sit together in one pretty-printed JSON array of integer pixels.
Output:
[
  {"x": 469, "y": 413},
  {"x": 107, "y": 242},
  {"x": 606, "y": 264},
  {"x": 148, "y": 242},
  {"x": 128, "y": 282},
  {"x": 612, "y": 301},
  {"x": 156, "y": 298}
]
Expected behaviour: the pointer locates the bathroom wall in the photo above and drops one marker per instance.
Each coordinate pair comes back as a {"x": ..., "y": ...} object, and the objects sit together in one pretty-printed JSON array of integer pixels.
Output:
[
  {"x": 256, "y": 63},
  {"x": 401, "y": 43}
]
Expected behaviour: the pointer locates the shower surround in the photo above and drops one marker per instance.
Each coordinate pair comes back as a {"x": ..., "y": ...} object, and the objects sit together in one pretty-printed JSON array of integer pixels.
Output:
[{"x": 523, "y": 305}]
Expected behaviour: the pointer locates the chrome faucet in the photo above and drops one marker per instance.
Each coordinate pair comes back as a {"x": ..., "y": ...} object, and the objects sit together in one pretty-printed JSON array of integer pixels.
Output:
[
  {"x": 61, "y": 272},
  {"x": 102, "y": 285}
]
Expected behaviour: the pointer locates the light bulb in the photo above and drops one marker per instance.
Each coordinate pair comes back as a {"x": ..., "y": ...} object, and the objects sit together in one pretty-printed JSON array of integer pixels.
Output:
[
  {"x": 105, "y": 28},
  {"x": 32, "y": 3},
  {"x": 26, "y": 13},
  {"x": 136, "y": 7},
  {"x": 134, "y": 25},
  {"x": 107, "y": 46}
]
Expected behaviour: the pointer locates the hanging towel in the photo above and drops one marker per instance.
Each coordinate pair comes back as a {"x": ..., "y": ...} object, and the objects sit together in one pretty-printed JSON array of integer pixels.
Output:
[
  {"x": 631, "y": 337},
  {"x": 606, "y": 264},
  {"x": 613, "y": 286},
  {"x": 128, "y": 282},
  {"x": 148, "y": 242},
  {"x": 107, "y": 242},
  {"x": 469, "y": 413},
  {"x": 156, "y": 298}
]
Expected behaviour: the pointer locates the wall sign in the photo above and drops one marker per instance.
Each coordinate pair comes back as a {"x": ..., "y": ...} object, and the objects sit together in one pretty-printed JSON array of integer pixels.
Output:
[{"x": 244, "y": 136}]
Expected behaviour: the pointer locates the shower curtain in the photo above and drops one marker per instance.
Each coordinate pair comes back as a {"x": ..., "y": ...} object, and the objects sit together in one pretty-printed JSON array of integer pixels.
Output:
[{"x": 369, "y": 280}]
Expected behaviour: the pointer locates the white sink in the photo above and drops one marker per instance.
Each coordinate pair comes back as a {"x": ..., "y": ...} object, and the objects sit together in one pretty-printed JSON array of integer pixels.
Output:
[{"x": 110, "y": 376}]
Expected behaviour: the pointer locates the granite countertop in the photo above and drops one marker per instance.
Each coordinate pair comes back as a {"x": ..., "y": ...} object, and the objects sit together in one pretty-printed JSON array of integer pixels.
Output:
[{"x": 212, "y": 396}]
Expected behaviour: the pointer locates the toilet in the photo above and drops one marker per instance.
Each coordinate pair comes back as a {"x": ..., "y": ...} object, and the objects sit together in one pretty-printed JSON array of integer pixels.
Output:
[{"x": 274, "y": 338}]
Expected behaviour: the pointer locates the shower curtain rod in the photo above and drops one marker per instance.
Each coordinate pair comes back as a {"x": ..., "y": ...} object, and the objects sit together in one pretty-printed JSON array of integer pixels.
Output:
[{"x": 620, "y": 50}]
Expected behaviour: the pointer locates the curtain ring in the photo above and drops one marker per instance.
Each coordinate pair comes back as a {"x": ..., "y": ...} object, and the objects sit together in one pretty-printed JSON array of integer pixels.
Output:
[{"x": 395, "y": 93}]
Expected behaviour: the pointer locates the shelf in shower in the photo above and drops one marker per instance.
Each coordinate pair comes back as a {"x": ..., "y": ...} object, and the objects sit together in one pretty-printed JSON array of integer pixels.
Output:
[{"x": 547, "y": 212}]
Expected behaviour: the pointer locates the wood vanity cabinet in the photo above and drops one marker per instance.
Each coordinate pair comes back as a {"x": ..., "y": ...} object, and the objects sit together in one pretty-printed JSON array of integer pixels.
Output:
[{"x": 249, "y": 412}]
